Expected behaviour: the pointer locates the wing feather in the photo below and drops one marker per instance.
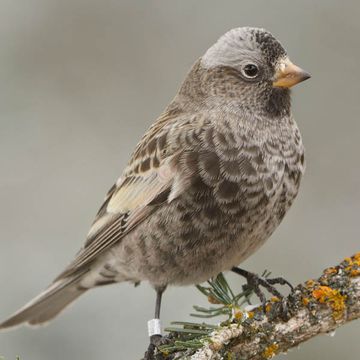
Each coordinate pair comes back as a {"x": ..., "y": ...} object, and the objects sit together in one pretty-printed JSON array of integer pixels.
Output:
[{"x": 146, "y": 183}]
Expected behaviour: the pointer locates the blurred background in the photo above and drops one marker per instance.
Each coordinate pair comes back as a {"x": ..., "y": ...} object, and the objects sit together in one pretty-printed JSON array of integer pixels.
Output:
[{"x": 81, "y": 81}]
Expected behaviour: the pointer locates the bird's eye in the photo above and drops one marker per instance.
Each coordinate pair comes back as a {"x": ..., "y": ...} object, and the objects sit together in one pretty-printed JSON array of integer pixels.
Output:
[{"x": 250, "y": 71}]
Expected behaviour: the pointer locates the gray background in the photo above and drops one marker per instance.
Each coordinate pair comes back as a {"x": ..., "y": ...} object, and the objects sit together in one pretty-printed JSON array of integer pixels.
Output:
[{"x": 80, "y": 82}]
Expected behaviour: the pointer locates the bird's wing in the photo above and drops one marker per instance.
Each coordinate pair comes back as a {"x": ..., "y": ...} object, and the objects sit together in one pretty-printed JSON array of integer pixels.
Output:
[{"x": 150, "y": 179}]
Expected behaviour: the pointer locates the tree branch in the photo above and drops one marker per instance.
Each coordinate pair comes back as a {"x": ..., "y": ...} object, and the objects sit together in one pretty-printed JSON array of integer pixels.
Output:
[{"x": 315, "y": 307}]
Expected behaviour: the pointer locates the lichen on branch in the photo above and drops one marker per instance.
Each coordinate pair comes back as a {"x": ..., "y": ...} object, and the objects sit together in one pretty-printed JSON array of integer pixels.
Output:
[{"x": 315, "y": 307}]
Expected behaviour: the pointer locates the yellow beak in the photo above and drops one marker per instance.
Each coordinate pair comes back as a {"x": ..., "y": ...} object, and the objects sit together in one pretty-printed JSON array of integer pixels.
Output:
[{"x": 288, "y": 74}]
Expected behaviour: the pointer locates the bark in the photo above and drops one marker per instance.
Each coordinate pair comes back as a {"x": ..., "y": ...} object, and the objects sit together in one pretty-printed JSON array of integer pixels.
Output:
[{"x": 315, "y": 307}]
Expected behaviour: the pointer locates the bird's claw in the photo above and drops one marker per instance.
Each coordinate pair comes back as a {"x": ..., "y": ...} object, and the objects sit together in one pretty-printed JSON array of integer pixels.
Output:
[
  {"x": 280, "y": 281},
  {"x": 155, "y": 342},
  {"x": 255, "y": 282}
]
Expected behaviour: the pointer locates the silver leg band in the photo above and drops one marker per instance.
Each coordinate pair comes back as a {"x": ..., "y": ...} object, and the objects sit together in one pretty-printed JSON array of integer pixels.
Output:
[{"x": 154, "y": 327}]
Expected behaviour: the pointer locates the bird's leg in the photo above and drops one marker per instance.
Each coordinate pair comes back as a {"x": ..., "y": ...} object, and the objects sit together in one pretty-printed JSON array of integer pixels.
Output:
[
  {"x": 159, "y": 293},
  {"x": 254, "y": 282},
  {"x": 154, "y": 327}
]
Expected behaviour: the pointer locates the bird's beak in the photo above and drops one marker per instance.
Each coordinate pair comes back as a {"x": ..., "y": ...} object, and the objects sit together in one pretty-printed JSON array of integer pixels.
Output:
[{"x": 288, "y": 74}]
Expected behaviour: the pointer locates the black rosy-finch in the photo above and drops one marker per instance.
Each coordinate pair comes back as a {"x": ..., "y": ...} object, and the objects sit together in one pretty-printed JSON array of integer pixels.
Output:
[{"x": 207, "y": 184}]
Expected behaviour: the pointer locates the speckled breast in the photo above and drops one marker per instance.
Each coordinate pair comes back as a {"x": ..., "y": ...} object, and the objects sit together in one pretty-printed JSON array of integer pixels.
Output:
[{"x": 239, "y": 194}]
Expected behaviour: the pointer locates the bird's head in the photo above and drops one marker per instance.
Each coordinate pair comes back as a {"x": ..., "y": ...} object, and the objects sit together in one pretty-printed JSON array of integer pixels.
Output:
[{"x": 251, "y": 66}]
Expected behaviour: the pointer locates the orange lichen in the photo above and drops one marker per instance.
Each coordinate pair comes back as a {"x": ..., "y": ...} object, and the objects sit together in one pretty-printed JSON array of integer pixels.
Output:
[
  {"x": 310, "y": 284},
  {"x": 270, "y": 351},
  {"x": 250, "y": 314},
  {"x": 305, "y": 301},
  {"x": 330, "y": 271},
  {"x": 238, "y": 314},
  {"x": 332, "y": 297},
  {"x": 275, "y": 299},
  {"x": 353, "y": 267},
  {"x": 355, "y": 272},
  {"x": 165, "y": 352},
  {"x": 268, "y": 307}
]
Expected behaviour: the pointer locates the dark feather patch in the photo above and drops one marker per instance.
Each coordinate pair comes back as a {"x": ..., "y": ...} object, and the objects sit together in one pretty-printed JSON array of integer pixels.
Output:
[{"x": 161, "y": 198}]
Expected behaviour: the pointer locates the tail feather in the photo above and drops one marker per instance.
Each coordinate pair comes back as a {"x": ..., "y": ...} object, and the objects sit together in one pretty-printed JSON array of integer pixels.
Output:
[{"x": 48, "y": 304}]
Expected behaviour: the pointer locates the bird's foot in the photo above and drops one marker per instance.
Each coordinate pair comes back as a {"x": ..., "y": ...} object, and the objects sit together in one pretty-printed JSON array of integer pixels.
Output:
[
  {"x": 155, "y": 342},
  {"x": 255, "y": 282}
]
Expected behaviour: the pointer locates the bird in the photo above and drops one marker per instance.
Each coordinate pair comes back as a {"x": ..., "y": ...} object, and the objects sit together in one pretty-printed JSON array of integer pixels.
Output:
[{"x": 205, "y": 187}]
